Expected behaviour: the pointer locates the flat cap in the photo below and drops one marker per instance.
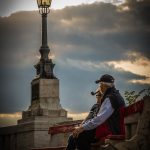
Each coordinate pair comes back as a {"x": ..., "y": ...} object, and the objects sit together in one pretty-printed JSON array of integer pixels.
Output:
[{"x": 105, "y": 78}]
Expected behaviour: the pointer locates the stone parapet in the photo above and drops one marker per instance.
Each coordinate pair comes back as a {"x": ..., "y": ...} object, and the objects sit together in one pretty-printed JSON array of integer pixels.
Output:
[{"x": 44, "y": 112}]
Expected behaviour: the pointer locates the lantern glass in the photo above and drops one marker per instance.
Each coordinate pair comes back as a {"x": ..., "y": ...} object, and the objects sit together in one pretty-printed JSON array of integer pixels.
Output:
[{"x": 44, "y": 3}]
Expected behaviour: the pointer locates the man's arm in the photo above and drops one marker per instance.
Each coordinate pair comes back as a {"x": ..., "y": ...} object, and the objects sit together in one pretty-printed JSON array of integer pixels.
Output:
[
  {"x": 92, "y": 113},
  {"x": 104, "y": 113}
]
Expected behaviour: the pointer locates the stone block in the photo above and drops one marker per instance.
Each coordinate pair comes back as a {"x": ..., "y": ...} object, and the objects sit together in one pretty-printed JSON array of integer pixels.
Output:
[
  {"x": 49, "y": 88},
  {"x": 41, "y": 139},
  {"x": 59, "y": 139}
]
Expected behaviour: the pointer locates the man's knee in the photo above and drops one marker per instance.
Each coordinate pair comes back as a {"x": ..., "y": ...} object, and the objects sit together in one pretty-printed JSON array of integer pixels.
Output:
[
  {"x": 72, "y": 140},
  {"x": 71, "y": 143}
]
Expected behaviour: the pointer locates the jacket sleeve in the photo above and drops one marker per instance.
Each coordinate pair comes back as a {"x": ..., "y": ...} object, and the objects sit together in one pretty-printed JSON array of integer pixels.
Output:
[
  {"x": 93, "y": 112},
  {"x": 104, "y": 113}
]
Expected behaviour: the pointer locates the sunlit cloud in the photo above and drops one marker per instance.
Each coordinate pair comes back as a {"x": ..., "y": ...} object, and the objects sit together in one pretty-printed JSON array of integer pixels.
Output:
[
  {"x": 9, "y": 119},
  {"x": 51, "y": 56},
  {"x": 8, "y": 7},
  {"x": 57, "y": 4},
  {"x": 137, "y": 64},
  {"x": 78, "y": 116},
  {"x": 123, "y": 8},
  {"x": 14, "y": 115},
  {"x": 146, "y": 81}
]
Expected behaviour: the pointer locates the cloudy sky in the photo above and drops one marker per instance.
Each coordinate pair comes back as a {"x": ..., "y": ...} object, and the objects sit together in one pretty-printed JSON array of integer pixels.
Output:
[{"x": 86, "y": 41}]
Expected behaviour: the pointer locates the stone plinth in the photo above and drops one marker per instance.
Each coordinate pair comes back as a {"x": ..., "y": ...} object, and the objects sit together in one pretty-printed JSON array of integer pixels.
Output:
[
  {"x": 45, "y": 94},
  {"x": 45, "y": 111},
  {"x": 45, "y": 102}
]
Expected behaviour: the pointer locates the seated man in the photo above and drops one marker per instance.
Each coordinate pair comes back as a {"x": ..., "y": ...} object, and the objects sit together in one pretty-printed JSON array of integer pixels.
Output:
[
  {"x": 105, "y": 122},
  {"x": 93, "y": 113}
]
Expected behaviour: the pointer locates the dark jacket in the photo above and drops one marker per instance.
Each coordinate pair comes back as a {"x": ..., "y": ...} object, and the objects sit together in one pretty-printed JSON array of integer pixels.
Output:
[{"x": 117, "y": 103}]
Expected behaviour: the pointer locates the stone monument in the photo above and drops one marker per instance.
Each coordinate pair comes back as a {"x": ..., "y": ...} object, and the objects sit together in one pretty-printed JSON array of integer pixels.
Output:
[{"x": 45, "y": 109}]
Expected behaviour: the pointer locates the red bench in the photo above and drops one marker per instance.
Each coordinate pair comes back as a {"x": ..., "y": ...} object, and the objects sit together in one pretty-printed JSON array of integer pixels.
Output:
[{"x": 63, "y": 128}]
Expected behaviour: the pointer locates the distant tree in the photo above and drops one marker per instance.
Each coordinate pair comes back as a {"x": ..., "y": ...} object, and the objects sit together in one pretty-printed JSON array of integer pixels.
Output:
[{"x": 132, "y": 96}]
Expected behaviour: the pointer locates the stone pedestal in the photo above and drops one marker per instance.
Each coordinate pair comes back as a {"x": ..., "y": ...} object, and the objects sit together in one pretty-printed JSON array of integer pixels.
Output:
[
  {"x": 45, "y": 102},
  {"x": 45, "y": 111},
  {"x": 45, "y": 94}
]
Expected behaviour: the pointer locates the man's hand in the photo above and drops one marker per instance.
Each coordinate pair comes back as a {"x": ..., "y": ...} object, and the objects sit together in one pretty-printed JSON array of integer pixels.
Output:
[{"x": 77, "y": 131}]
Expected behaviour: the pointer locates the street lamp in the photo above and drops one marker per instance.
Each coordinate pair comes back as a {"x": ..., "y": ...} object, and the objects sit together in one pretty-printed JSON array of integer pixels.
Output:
[
  {"x": 44, "y": 5},
  {"x": 45, "y": 66}
]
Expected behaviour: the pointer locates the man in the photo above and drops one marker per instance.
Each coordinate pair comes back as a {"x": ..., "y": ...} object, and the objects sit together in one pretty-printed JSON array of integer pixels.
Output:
[
  {"x": 107, "y": 120},
  {"x": 95, "y": 108},
  {"x": 72, "y": 142}
]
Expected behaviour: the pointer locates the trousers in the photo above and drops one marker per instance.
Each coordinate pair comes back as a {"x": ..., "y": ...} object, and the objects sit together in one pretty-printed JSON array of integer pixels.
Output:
[{"x": 82, "y": 142}]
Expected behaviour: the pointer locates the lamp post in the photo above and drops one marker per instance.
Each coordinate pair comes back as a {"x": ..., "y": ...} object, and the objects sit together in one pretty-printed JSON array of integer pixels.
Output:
[{"x": 45, "y": 65}]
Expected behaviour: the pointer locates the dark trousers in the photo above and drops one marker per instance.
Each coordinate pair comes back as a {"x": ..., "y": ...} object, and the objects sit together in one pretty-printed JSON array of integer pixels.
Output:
[{"x": 82, "y": 142}]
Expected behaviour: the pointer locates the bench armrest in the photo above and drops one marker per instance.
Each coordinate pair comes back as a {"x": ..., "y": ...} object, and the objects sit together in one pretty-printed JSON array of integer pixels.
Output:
[{"x": 116, "y": 137}]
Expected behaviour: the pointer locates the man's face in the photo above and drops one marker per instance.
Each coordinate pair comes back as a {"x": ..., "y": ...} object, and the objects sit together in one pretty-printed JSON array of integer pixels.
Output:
[
  {"x": 98, "y": 98},
  {"x": 103, "y": 87},
  {"x": 98, "y": 95}
]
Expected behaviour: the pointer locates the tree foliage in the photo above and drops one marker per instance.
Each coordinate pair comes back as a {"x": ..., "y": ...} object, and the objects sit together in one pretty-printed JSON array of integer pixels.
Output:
[{"x": 133, "y": 96}]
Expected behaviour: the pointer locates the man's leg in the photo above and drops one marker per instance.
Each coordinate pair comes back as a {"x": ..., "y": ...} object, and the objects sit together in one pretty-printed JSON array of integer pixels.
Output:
[
  {"x": 71, "y": 143},
  {"x": 85, "y": 139}
]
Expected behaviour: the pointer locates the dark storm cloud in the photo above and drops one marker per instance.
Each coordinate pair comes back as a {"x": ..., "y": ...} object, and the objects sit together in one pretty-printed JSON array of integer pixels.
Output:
[
  {"x": 15, "y": 89},
  {"x": 9, "y": 6},
  {"x": 97, "y": 28},
  {"x": 101, "y": 29},
  {"x": 89, "y": 33}
]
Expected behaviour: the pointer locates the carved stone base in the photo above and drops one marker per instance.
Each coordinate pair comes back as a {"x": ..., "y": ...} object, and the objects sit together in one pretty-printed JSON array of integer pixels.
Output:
[{"x": 51, "y": 116}]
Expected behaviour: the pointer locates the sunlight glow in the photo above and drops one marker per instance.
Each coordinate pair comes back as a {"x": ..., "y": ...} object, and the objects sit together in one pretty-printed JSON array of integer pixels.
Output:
[
  {"x": 11, "y": 119},
  {"x": 136, "y": 64},
  {"x": 77, "y": 116},
  {"x": 14, "y": 115},
  {"x": 30, "y": 5},
  {"x": 59, "y": 4}
]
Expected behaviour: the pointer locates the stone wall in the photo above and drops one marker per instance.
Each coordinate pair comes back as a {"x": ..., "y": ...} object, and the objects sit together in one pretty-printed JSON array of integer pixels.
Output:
[
  {"x": 131, "y": 123},
  {"x": 141, "y": 139},
  {"x": 24, "y": 136}
]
